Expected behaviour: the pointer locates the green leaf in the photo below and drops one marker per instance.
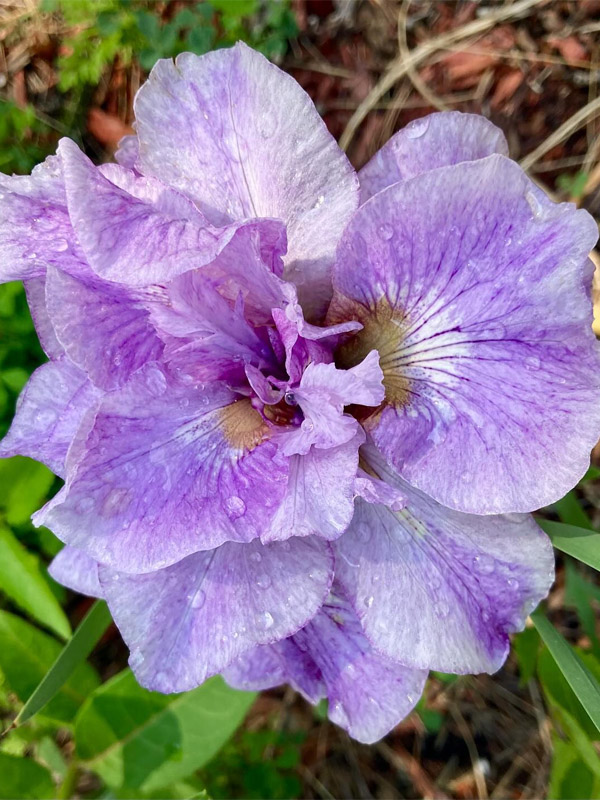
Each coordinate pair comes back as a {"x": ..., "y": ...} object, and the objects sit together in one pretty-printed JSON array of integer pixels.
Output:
[
  {"x": 144, "y": 740},
  {"x": 579, "y": 593},
  {"x": 26, "y": 654},
  {"x": 72, "y": 656},
  {"x": 26, "y": 485},
  {"x": 570, "y": 778},
  {"x": 526, "y": 646},
  {"x": 580, "y": 679},
  {"x": 569, "y": 510},
  {"x": 580, "y": 543},
  {"x": 23, "y": 778},
  {"x": 24, "y": 582}
]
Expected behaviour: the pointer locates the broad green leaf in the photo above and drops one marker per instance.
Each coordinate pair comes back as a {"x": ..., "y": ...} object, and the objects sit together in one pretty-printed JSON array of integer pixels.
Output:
[
  {"x": 581, "y": 543},
  {"x": 570, "y": 511},
  {"x": 144, "y": 740},
  {"x": 23, "y": 778},
  {"x": 526, "y": 646},
  {"x": 579, "y": 593},
  {"x": 24, "y": 582},
  {"x": 579, "y": 677},
  {"x": 72, "y": 655},
  {"x": 570, "y": 778},
  {"x": 26, "y": 655},
  {"x": 25, "y": 486},
  {"x": 50, "y": 755},
  {"x": 559, "y": 694}
]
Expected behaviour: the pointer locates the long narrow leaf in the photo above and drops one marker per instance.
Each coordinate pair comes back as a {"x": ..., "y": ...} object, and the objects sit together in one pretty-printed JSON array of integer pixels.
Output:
[
  {"x": 580, "y": 679},
  {"x": 580, "y": 543},
  {"x": 77, "y": 649}
]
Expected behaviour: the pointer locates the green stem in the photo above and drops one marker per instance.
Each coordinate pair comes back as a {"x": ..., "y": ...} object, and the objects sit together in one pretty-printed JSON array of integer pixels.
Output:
[{"x": 69, "y": 783}]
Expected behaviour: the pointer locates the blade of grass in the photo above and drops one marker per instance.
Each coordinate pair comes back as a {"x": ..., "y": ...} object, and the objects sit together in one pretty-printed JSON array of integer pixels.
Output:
[
  {"x": 580, "y": 679},
  {"x": 581, "y": 543},
  {"x": 77, "y": 649}
]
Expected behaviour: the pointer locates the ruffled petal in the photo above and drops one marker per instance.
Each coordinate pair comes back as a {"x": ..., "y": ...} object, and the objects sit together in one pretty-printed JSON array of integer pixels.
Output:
[
  {"x": 330, "y": 657},
  {"x": 167, "y": 470},
  {"x": 35, "y": 289},
  {"x": 323, "y": 393},
  {"x": 35, "y": 229},
  {"x": 135, "y": 230},
  {"x": 49, "y": 412},
  {"x": 242, "y": 139},
  {"x": 458, "y": 584},
  {"x": 474, "y": 288},
  {"x": 438, "y": 140},
  {"x": 319, "y": 496},
  {"x": 189, "y": 621},
  {"x": 77, "y": 571},
  {"x": 207, "y": 336},
  {"x": 104, "y": 327},
  {"x": 128, "y": 151}
]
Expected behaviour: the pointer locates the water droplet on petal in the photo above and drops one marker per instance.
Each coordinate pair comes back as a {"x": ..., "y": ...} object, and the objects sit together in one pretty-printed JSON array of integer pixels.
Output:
[
  {"x": 266, "y": 620},
  {"x": 484, "y": 564},
  {"x": 264, "y": 581},
  {"x": 235, "y": 507},
  {"x": 156, "y": 382},
  {"x": 256, "y": 557},
  {"x": 418, "y": 128},
  {"x": 369, "y": 601},
  {"x": 534, "y": 204},
  {"x": 385, "y": 232},
  {"x": 532, "y": 363},
  {"x": 61, "y": 245},
  {"x": 199, "y": 599},
  {"x": 338, "y": 714},
  {"x": 442, "y": 609},
  {"x": 513, "y": 583},
  {"x": 136, "y": 659}
]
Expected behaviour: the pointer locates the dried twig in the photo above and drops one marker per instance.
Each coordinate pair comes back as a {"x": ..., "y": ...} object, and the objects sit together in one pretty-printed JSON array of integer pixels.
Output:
[
  {"x": 401, "y": 65},
  {"x": 563, "y": 132}
]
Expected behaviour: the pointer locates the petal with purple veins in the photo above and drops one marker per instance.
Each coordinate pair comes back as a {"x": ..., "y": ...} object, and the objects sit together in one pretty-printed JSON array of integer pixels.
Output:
[
  {"x": 49, "y": 412},
  {"x": 167, "y": 469},
  {"x": 242, "y": 139},
  {"x": 473, "y": 287},
  {"x": 319, "y": 496},
  {"x": 76, "y": 570},
  {"x": 35, "y": 229},
  {"x": 104, "y": 327},
  {"x": 473, "y": 579},
  {"x": 323, "y": 393},
  {"x": 437, "y": 140},
  {"x": 330, "y": 657},
  {"x": 136, "y": 230},
  {"x": 189, "y": 621}
]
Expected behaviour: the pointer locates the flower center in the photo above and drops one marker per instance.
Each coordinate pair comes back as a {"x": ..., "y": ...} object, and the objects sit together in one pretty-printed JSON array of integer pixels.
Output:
[{"x": 383, "y": 330}]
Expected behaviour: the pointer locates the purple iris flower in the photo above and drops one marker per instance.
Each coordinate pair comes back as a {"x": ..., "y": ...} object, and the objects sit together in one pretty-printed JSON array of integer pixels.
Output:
[{"x": 302, "y": 414}]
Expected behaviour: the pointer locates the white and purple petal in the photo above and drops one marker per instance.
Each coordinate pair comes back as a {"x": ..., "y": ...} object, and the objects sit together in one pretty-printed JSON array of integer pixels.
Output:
[
  {"x": 473, "y": 286},
  {"x": 104, "y": 327},
  {"x": 189, "y": 621},
  {"x": 242, "y": 139},
  {"x": 167, "y": 469},
  {"x": 49, "y": 412},
  {"x": 458, "y": 584},
  {"x": 35, "y": 229},
  {"x": 77, "y": 571},
  {"x": 330, "y": 657},
  {"x": 437, "y": 140}
]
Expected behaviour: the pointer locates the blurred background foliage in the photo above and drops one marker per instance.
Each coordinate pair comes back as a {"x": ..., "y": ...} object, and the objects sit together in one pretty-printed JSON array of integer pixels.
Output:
[{"x": 71, "y": 67}]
